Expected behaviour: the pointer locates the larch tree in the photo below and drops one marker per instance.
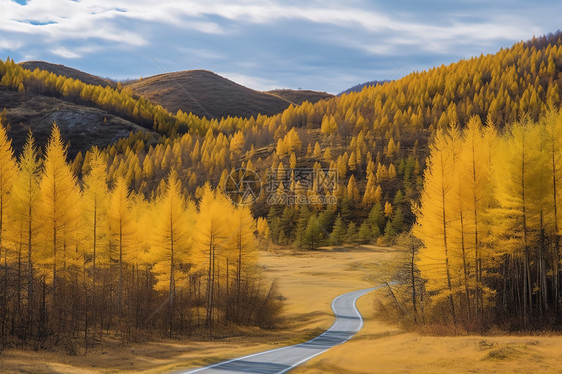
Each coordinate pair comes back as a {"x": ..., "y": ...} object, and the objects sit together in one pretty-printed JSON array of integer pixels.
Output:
[
  {"x": 59, "y": 207},
  {"x": 433, "y": 219},
  {"x": 460, "y": 226},
  {"x": 24, "y": 212},
  {"x": 520, "y": 181},
  {"x": 8, "y": 173},
  {"x": 210, "y": 238},
  {"x": 371, "y": 195},
  {"x": 474, "y": 185},
  {"x": 243, "y": 245},
  {"x": 95, "y": 208},
  {"x": 553, "y": 130},
  {"x": 121, "y": 229},
  {"x": 172, "y": 241}
]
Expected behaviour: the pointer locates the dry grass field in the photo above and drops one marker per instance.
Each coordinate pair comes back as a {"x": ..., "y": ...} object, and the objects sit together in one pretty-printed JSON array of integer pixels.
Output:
[{"x": 309, "y": 281}]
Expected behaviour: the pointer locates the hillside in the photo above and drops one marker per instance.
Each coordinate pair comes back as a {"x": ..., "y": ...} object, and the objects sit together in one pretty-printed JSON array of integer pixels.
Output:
[
  {"x": 66, "y": 72},
  {"x": 359, "y": 87},
  {"x": 300, "y": 96},
  {"x": 81, "y": 126},
  {"x": 207, "y": 94}
]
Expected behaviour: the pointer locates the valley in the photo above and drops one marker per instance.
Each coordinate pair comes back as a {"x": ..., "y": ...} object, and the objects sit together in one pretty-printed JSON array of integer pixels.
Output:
[{"x": 174, "y": 221}]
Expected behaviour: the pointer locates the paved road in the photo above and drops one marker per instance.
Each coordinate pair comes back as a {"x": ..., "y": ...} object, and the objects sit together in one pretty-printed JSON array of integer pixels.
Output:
[{"x": 348, "y": 322}]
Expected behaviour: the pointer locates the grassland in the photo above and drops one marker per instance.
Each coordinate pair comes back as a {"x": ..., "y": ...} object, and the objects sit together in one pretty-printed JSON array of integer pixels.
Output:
[{"x": 308, "y": 281}]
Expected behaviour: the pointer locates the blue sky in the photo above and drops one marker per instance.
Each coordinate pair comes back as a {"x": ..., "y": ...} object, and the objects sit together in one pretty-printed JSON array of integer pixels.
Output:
[{"x": 321, "y": 45}]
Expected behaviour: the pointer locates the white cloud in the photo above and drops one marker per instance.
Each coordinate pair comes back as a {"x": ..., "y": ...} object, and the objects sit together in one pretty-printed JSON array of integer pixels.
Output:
[
  {"x": 10, "y": 44},
  {"x": 284, "y": 43},
  {"x": 107, "y": 20},
  {"x": 260, "y": 84},
  {"x": 66, "y": 53}
]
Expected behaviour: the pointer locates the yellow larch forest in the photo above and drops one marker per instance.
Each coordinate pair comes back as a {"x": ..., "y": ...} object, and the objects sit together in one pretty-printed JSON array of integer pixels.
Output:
[
  {"x": 489, "y": 221},
  {"x": 92, "y": 257}
]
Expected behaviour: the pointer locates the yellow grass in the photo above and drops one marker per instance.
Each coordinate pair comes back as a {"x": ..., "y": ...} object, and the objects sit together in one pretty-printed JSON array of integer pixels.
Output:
[
  {"x": 309, "y": 281},
  {"x": 379, "y": 348}
]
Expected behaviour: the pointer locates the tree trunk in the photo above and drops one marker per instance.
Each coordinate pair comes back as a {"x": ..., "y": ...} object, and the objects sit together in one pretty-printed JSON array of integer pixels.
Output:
[{"x": 444, "y": 220}]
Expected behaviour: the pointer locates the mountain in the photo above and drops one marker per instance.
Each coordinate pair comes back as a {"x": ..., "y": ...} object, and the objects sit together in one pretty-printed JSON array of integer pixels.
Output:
[
  {"x": 67, "y": 72},
  {"x": 300, "y": 96},
  {"x": 81, "y": 126},
  {"x": 207, "y": 94},
  {"x": 360, "y": 86}
]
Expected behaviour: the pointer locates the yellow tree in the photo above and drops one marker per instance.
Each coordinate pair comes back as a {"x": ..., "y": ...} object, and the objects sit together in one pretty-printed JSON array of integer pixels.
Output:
[
  {"x": 521, "y": 171},
  {"x": 372, "y": 194},
  {"x": 121, "y": 229},
  {"x": 553, "y": 130},
  {"x": 317, "y": 151},
  {"x": 172, "y": 236},
  {"x": 8, "y": 172},
  {"x": 24, "y": 213},
  {"x": 459, "y": 224},
  {"x": 475, "y": 185},
  {"x": 433, "y": 221},
  {"x": 59, "y": 207},
  {"x": 237, "y": 144},
  {"x": 327, "y": 157},
  {"x": 293, "y": 141},
  {"x": 263, "y": 229},
  {"x": 352, "y": 190},
  {"x": 293, "y": 161},
  {"x": 210, "y": 237},
  {"x": 242, "y": 241},
  {"x": 329, "y": 125},
  {"x": 95, "y": 201}
]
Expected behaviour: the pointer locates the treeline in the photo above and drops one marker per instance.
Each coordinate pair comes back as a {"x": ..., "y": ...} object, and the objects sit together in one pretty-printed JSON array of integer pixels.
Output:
[
  {"x": 490, "y": 220},
  {"x": 84, "y": 258}
]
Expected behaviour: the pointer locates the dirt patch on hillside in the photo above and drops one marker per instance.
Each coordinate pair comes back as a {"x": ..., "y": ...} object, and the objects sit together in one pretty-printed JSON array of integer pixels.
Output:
[{"x": 81, "y": 126}]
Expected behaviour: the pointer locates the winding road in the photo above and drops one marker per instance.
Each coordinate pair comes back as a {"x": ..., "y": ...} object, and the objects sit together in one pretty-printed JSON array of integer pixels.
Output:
[{"x": 277, "y": 361}]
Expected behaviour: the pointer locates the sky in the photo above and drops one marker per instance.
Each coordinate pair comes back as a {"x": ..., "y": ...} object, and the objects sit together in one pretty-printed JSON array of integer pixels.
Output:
[{"x": 327, "y": 45}]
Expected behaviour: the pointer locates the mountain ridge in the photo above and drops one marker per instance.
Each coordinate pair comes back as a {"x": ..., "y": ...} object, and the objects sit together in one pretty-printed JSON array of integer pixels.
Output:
[
  {"x": 68, "y": 72},
  {"x": 206, "y": 94}
]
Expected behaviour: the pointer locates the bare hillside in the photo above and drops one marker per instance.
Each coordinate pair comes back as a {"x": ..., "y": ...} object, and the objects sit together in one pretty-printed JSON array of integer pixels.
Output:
[
  {"x": 207, "y": 94},
  {"x": 82, "y": 126}
]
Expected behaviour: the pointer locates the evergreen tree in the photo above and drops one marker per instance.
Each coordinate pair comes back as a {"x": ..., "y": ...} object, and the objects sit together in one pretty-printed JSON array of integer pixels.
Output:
[
  {"x": 338, "y": 235},
  {"x": 313, "y": 235}
]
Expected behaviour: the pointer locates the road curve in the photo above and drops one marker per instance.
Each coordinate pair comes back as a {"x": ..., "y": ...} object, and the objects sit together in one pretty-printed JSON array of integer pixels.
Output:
[{"x": 277, "y": 361}]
